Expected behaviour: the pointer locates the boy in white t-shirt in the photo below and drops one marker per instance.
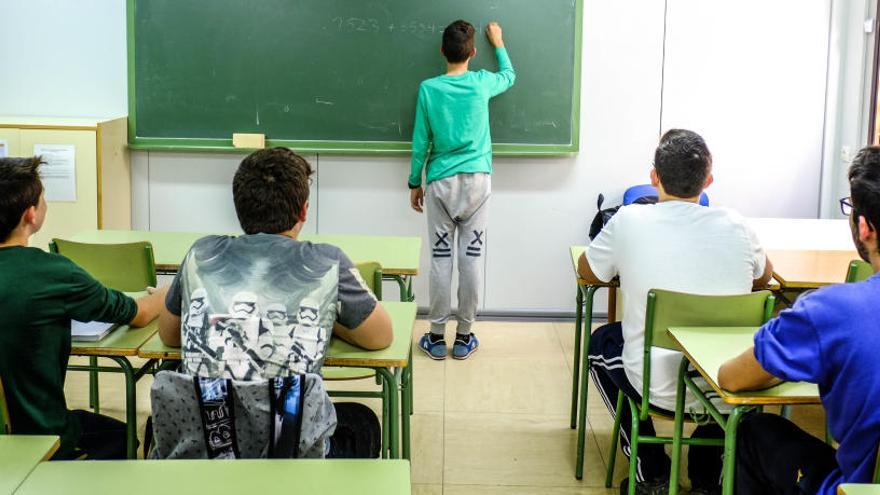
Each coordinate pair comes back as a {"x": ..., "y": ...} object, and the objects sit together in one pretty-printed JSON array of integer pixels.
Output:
[{"x": 675, "y": 245}]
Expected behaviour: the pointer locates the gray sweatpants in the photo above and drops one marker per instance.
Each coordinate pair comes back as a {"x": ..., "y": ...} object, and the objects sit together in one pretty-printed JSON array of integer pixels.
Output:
[{"x": 458, "y": 206}]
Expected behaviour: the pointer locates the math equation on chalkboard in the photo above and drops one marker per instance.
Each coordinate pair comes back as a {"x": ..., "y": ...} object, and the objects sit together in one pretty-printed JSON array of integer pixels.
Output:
[{"x": 371, "y": 25}]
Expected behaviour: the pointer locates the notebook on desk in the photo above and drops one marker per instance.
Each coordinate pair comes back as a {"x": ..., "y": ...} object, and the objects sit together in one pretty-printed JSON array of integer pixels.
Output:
[{"x": 91, "y": 331}]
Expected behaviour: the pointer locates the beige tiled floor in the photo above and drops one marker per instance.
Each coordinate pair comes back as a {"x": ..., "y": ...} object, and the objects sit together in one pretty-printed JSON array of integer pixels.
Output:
[{"x": 496, "y": 423}]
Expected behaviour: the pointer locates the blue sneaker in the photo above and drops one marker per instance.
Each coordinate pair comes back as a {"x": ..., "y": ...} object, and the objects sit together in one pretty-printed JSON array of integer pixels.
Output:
[
  {"x": 435, "y": 350},
  {"x": 462, "y": 349}
]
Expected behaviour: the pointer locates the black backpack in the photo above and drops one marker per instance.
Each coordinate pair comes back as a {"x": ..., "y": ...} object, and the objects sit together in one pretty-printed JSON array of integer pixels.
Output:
[{"x": 604, "y": 216}]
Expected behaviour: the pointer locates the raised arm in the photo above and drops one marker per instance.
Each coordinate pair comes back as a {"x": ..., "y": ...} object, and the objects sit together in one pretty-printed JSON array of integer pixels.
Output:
[{"x": 502, "y": 80}]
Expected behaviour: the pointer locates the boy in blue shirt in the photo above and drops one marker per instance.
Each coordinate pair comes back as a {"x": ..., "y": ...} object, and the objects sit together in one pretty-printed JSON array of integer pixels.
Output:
[
  {"x": 451, "y": 133},
  {"x": 830, "y": 337}
]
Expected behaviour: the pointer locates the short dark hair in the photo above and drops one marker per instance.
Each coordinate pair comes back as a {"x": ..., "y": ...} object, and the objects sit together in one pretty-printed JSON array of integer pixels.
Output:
[
  {"x": 270, "y": 189},
  {"x": 864, "y": 185},
  {"x": 682, "y": 161},
  {"x": 458, "y": 41},
  {"x": 21, "y": 188}
]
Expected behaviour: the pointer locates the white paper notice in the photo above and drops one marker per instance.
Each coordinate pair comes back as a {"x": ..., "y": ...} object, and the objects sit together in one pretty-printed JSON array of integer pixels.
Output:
[
  {"x": 59, "y": 171},
  {"x": 4, "y": 149}
]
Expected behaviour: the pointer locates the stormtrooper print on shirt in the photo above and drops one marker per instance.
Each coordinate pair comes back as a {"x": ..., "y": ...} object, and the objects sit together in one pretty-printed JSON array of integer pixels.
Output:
[{"x": 263, "y": 306}]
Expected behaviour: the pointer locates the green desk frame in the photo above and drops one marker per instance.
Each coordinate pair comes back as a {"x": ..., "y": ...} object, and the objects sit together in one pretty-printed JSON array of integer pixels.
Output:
[
  {"x": 727, "y": 343},
  {"x": 118, "y": 346}
]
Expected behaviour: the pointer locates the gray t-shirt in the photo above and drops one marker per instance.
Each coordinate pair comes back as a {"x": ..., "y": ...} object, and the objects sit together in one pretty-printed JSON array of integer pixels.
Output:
[{"x": 263, "y": 305}]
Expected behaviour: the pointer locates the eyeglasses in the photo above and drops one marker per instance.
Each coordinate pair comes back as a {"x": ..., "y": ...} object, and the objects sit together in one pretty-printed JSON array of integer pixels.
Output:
[{"x": 846, "y": 206}]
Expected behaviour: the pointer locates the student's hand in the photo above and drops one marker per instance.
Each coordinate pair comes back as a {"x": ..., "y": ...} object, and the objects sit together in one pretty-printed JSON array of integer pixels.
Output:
[
  {"x": 417, "y": 199},
  {"x": 493, "y": 32}
]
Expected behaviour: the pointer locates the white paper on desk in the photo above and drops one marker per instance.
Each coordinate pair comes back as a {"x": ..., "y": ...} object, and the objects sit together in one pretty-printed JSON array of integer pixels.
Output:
[
  {"x": 90, "y": 331},
  {"x": 59, "y": 171},
  {"x": 4, "y": 148}
]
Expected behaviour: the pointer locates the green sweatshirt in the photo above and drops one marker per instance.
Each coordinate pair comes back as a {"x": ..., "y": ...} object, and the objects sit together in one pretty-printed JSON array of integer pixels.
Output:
[
  {"x": 39, "y": 294},
  {"x": 452, "y": 122}
]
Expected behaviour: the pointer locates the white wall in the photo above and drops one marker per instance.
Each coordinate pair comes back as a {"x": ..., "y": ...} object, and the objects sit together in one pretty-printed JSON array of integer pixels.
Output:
[
  {"x": 63, "y": 58},
  {"x": 539, "y": 206}
]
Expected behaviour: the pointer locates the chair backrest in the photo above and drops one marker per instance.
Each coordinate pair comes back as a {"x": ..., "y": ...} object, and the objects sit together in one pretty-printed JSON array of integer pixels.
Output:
[
  {"x": 677, "y": 309},
  {"x": 858, "y": 271},
  {"x": 371, "y": 272},
  {"x": 876, "y": 479},
  {"x": 125, "y": 267},
  {"x": 5, "y": 426},
  {"x": 642, "y": 190}
]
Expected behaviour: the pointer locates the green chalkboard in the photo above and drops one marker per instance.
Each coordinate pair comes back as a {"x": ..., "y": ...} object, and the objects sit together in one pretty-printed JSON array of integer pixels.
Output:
[{"x": 340, "y": 75}]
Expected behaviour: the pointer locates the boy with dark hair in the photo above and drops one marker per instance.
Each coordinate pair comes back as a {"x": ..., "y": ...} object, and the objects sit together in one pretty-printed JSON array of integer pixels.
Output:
[
  {"x": 452, "y": 135},
  {"x": 674, "y": 245},
  {"x": 829, "y": 337},
  {"x": 40, "y": 293},
  {"x": 264, "y": 305}
]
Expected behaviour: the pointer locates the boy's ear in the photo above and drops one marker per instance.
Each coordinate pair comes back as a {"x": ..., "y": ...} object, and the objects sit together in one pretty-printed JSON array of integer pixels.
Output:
[
  {"x": 29, "y": 217},
  {"x": 866, "y": 230},
  {"x": 709, "y": 180},
  {"x": 655, "y": 179},
  {"x": 303, "y": 213}
]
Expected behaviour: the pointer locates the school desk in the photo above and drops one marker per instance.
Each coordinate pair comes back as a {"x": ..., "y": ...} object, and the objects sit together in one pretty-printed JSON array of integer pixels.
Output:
[
  {"x": 221, "y": 477},
  {"x": 707, "y": 348},
  {"x": 398, "y": 356},
  {"x": 583, "y": 325},
  {"x": 118, "y": 346},
  {"x": 858, "y": 489},
  {"x": 399, "y": 256},
  {"x": 806, "y": 253},
  {"x": 810, "y": 269},
  {"x": 19, "y": 455}
]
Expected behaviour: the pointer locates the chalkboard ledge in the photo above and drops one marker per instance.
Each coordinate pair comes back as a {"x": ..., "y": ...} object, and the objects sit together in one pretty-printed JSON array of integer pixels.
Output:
[{"x": 383, "y": 148}]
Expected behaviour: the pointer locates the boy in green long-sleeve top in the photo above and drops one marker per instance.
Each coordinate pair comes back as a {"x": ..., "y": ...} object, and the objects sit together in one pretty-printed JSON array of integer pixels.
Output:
[{"x": 451, "y": 135}]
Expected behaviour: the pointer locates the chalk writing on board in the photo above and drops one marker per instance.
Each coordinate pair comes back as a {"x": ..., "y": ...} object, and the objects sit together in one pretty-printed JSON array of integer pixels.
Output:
[{"x": 370, "y": 25}]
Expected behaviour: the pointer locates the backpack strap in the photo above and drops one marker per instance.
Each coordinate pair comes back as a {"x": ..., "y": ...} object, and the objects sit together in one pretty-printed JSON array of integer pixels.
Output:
[
  {"x": 287, "y": 401},
  {"x": 217, "y": 410}
]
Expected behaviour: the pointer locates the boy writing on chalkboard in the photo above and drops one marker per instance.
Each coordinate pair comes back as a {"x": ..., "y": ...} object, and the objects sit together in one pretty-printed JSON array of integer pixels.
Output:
[{"x": 451, "y": 139}]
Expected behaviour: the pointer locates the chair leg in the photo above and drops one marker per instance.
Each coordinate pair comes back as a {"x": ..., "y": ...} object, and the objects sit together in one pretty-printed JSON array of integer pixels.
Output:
[
  {"x": 674, "y": 472},
  {"x": 615, "y": 434},
  {"x": 634, "y": 447}
]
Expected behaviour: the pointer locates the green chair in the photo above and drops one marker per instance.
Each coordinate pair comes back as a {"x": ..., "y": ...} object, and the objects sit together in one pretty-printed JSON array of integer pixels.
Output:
[
  {"x": 676, "y": 309},
  {"x": 371, "y": 273},
  {"x": 125, "y": 267},
  {"x": 5, "y": 425},
  {"x": 858, "y": 271}
]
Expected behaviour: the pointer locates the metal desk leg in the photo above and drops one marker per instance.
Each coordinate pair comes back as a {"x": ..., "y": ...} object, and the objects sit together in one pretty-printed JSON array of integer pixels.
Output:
[
  {"x": 406, "y": 407},
  {"x": 130, "y": 404},
  {"x": 585, "y": 369},
  {"x": 94, "y": 394},
  {"x": 728, "y": 472},
  {"x": 576, "y": 365},
  {"x": 393, "y": 440},
  {"x": 404, "y": 283}
]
